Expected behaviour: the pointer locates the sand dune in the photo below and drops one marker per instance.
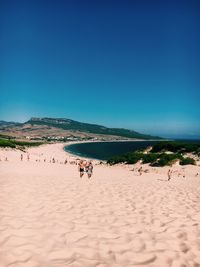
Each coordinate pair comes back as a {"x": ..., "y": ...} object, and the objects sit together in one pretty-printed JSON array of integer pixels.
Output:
[{"x": 49, "y": 217}]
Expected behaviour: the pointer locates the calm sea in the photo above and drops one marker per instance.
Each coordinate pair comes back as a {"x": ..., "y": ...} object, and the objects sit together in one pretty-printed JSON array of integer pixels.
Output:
[{"x": 105, "y": 150}]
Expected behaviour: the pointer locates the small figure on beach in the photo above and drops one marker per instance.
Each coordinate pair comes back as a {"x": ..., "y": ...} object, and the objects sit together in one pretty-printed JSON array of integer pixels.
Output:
[
  {"x": 65, "y": 162},
  {"x": 81, "y": 167},
  {"x": 169, "y": 174},
  {"x": 53, "y": 160},
  {"x": 21, "y": 157},
  {"x": 140, "y": 171},
  {"x": 89, "y": 169}
]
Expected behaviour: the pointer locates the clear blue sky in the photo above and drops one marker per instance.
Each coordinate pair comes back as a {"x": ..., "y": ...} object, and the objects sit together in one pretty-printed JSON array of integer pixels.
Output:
[{"x": 133, "y": 64}]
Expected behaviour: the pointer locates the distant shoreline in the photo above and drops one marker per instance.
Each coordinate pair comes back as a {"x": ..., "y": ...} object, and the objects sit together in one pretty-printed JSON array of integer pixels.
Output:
[{"x": 97, "y": 141}]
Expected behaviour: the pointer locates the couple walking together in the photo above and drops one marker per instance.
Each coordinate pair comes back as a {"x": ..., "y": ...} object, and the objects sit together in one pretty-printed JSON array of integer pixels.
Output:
[{"x": 85, "y": 166}]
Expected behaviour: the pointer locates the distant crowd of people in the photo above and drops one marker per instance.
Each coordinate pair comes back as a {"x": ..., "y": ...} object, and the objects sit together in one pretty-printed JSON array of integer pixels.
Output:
[
  {"x": 83, "y": 165},
  {"x": 87, "y": 166}
]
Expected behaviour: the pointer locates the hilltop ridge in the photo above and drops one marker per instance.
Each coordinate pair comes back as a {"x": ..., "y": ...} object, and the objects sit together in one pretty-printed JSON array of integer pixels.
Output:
[
  {"x": 66, "y": 129},
  {"x": 68, "y": 124}
]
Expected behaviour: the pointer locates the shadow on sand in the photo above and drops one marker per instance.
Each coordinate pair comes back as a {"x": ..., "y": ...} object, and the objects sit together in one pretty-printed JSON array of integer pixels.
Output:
[{"x": 163, "y": 180}]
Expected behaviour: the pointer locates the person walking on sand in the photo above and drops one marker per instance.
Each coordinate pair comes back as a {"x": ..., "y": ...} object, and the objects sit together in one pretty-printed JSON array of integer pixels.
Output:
[
  {"x": 21, "y": 157},
  {"x": 81, "y": 167},
  {"x": 169, "y": 174},
  {"x": 140, "y": 171},
  {"x": 89, "y": 169}
]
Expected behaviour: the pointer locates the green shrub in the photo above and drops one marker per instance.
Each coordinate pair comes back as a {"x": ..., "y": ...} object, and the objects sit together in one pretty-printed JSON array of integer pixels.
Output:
[
  {"x": 166, "y": 159},
  {"x": 174, "y": 146},
  {"x": 155, "y": 158},
  {"x": 128, "y": 158},
  {"x": 14, "y": 143},
  {"x": 187, "y": 161},
  {"x": 7, "y": 143},
  {"x": 150, "y": 158}
]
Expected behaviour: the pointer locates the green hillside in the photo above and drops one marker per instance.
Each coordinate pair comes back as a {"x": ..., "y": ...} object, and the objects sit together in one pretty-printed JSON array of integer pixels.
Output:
[{"x": 72, "y": 125}]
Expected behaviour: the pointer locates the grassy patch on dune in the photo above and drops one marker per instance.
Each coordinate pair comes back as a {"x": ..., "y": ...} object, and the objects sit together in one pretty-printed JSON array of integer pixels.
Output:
[
  {"x": 17, "y": 144},
  {"x": 177, "y": 147},
  {"x": 161, "y": 154}
]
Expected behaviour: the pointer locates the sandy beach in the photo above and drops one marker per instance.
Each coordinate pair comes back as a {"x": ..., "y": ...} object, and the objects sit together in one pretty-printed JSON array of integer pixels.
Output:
[{"x": 50, "y": 217}]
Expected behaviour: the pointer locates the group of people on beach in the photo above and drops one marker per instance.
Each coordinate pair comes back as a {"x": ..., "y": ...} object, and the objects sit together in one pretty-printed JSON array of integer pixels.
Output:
[{"x": 85, "y": 166}]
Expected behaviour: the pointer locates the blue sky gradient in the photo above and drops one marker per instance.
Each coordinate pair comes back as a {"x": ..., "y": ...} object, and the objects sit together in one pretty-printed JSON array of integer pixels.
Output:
[{"x": 132, "y": 64}]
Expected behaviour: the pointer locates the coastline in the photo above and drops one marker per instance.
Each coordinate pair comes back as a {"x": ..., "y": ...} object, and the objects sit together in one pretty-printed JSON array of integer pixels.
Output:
[
  {"x": 74, "y": 156},
  {"x": 108, "y": 141}
]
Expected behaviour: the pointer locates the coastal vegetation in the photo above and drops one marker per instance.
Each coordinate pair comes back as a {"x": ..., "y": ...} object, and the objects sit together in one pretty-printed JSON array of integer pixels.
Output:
[
  {"x": 162, "y": 154},
  {"x": 17, "y": 144},
  {"x": 177, "y": 147}
]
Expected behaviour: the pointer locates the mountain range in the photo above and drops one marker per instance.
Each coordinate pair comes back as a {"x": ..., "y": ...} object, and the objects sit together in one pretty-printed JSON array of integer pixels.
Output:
[{"x": 45, "y": 127}]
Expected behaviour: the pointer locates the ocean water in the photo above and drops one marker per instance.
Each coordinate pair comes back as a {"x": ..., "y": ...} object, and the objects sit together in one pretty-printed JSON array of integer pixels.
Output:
[{"x": 105, "y": 150}]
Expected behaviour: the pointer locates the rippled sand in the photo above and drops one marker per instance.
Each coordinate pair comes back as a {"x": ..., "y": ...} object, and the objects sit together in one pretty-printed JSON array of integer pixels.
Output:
[{"x": 49, "y": 217}]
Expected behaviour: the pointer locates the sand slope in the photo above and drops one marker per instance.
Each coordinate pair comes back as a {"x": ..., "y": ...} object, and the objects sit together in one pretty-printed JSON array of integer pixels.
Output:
[{"x": 49, "y": 217}]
